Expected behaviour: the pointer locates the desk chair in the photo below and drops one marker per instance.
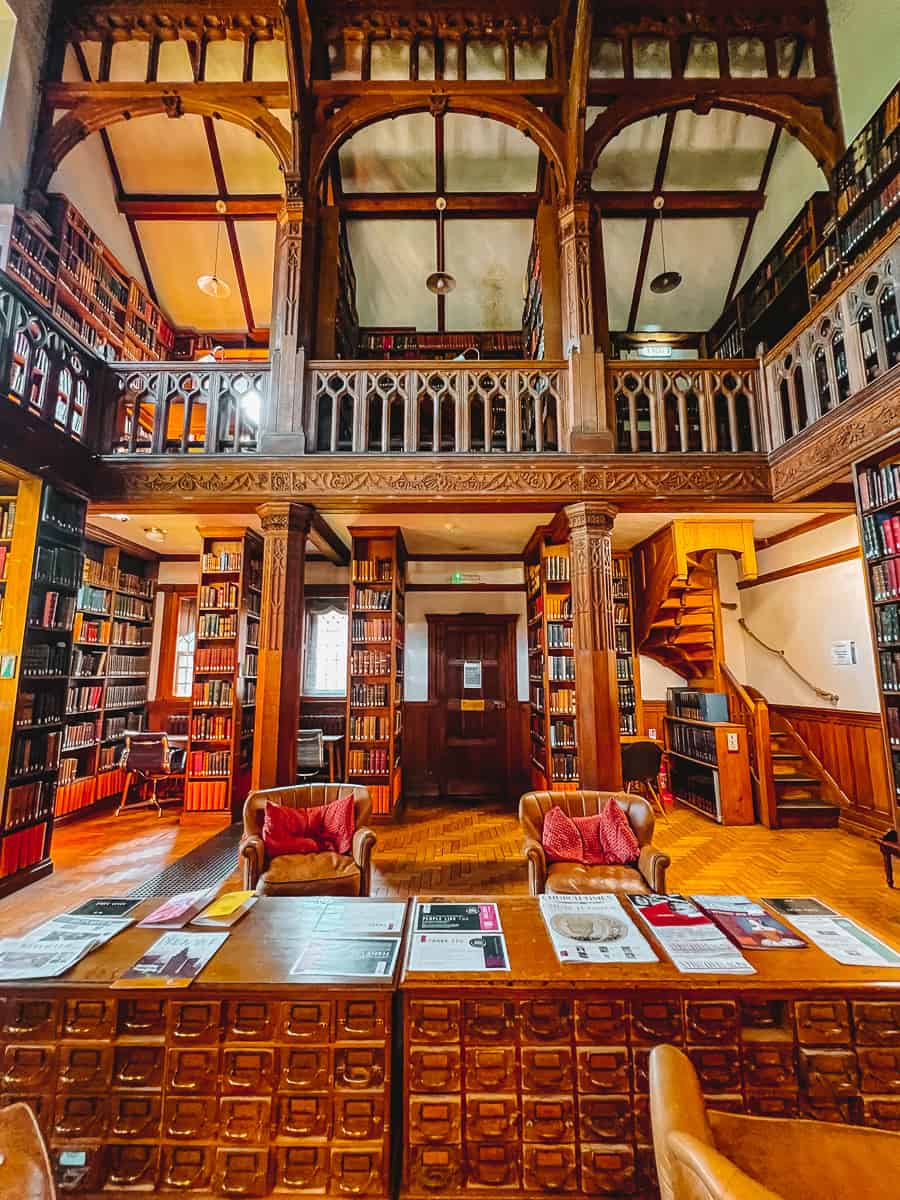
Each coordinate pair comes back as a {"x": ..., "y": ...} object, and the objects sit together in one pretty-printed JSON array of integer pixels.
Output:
[
  {"x": 640, "y": 771},
  {"x": 149, "y": 757},
  {"x": 24, "y": 1165},
  {"x": 310, "y": 754},
  {"x": 710, "y": 1155}
]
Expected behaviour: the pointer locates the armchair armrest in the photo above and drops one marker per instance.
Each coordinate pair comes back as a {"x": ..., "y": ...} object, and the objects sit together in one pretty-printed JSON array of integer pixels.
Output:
[
  {"x": 252, "y": 858},
  {"x": 653, "y": 864},
  {"x": 363, "y": 843},
  {"x": 537, "y": 865}
]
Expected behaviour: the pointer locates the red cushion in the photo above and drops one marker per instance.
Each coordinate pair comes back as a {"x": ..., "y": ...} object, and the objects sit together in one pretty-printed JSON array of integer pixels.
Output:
[
  {"x": 605, "y": 839},
  {"x": 309, "y": 830}
]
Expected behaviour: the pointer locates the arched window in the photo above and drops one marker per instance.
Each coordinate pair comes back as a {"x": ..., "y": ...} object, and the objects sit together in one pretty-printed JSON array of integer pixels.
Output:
[
  {"x": 325, "y": 646},
  {"x": 723, "y": 423},
  {"x": 64, "y": 388},
  {"x": 672, "y": 418},
  {"x": 426, "y": 423},
  {"x": 823, "y": 379},
  {"x": 787, "y": 424},
  {"x": 323, "y": 423},
  {"x": 841, "y": 373},
  {"x": 395, "y": 422},
  {"x": 476, "y": 424},
  {"x": 800, "y": 398},
  {"x": 373, "y": 440}
]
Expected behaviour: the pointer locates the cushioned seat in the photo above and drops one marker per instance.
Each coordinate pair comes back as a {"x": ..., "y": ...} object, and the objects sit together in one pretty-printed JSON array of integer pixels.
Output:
[
  {"x": 569, "y": 878},
  {"x": 310, "y": 874}
]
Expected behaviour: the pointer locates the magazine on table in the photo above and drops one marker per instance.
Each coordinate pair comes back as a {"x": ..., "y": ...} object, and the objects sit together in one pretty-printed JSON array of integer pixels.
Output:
[
  {"x": 798, "y": 906},
  {"x": 106, "y": 906},
  {"x": 21, "y": 959},
  {"x": 226, "y": 910},
  {"x": 174, "y": 960},
  {"x": 451, "y": 952},
  {"x": 456, "y": 918},
  {"x": 178, "y": 910},
  {"x": 748, "y": 924},
  {"x": 689, "y": 937},
  {"x": 361, "y": 957},
  {"x": 846, "y": 942},
  {"x": 342, "y": 915},
  {"x": 593, "y": 929},
  {"x": 66, "y": 926}
]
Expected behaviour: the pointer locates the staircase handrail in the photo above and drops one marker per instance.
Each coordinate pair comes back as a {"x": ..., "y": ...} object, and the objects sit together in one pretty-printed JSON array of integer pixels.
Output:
[
  {"x": 831, "y": 697},
  {"x": 759, "y": 733}
]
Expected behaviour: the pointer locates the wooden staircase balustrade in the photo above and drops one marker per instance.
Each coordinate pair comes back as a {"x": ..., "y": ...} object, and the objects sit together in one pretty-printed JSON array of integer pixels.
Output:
[{"x": 750, "y": 709}]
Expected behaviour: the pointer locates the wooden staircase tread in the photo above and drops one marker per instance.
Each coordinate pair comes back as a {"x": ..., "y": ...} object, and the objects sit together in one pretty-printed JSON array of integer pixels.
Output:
[{"x": 804, "y": 780}]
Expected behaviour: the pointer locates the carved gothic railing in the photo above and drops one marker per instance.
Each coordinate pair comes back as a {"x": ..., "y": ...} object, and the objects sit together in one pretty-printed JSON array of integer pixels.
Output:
[
  {"x": 186, "y": 408},
  {"x": 436, "y": 407},
  {"x": 705, "y": 405},
  {"x": 850, "y": 339}
]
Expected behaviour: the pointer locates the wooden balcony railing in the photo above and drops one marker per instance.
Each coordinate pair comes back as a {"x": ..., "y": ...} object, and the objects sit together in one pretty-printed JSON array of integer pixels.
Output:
[
  {"x": 848, "y": 340},
  {"x": 436, "y": 407},
  {"x": 704, "y": 406}
]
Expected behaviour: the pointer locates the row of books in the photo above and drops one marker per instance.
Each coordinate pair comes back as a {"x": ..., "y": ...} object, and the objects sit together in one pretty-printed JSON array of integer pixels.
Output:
[
  {"x": 536, "y": 693},
  {"x": 76, "y": 737},
  {"x": 22, "y": 849},
  {"x": 59, "y": 566},
  {"x": 870, "y": 215},
  {"x": 4, "y": 552},
  {"x": 209, "y": 762},
  {"x": 125, "y": 694},
  {"x": 371, "y": 570},
  {"x": 118, "y": 727},
  {"x": 562, "y": 734},
  {"x": 52, "y": 610},
  {"x": 99, "y": 573},
  {"x": 136, "y": 584},
  {"x": 556, "y": 568},
  {"x": 559, "y": 608},
  {"x": 893, "y": 724},
  {"x": 133, "y": 608},
  {"x": 885, "y": 578},
  {"x": 38, "y": 708},
  {"x": 214, "y": 658},
  {"x": 624, "y": 669},
  {"x": 564, "y": 767},
  {"x": 33, "y": 752},
  {"x": 369, "y": 695},
  {"x": 372, "y": 599},
  {"x": 210, "y": 727},
  {"x": 88, "y": 663},
  {"x": 7, "y": 518},
  {"x": 622, "y": 614},
  {"x": 562, "y": 702},
  {"x": 881, "y": 535},
  {"x": 229, "y": 561},
  {"x": 887, "y": 623},
  {"x": 623, "y": 639},
  {"x": 370, "y": 662},
  {"x": 63, "y": 512},
  {"x": 560, "y": 666},
  {"x": 219, "y": 595},
  {"x": 74, "y": 794},
  {"x": 108, "y": 757},
  {"x": 627, "y": 723},
  {"x": 92, "y": 631},
  {"x": 50, "y": 659},
  {"x": 868, "y": 155},
  {"x": 124, "y": 634},
  {"x": 217, "y": 625},
  {"x": 27, "y": 802},
  {"x": 370, "y": 629},
  {"x": 213, "y": 693},
  {"x": 559, "y": 636},
  {"x": 93, "y": 599},
  {"x": 251, "y": 662},
  {"x": 203, "y": 796},
  {"x": 84, "y": 699},
  {"x": 371, "y": 761},
  {"x": 694, "y": 741},
  {"x": 627, "y": 695},
  {"x": 129, "y": 664},
  {"x": 370, "y": 728},
  {"x": 700, "y": 790},
  {"x": 889, "y": 662}
]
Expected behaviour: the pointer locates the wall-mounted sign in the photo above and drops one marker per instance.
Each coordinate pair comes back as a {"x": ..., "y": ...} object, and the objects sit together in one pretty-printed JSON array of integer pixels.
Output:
[
  {"x": 843, "y": 654},
  {"x": 471, "y": 706},
  {"x": 471, "y": 674},
  {"x": 464, "y": 577},
  {"x": 7, "y": 666}
]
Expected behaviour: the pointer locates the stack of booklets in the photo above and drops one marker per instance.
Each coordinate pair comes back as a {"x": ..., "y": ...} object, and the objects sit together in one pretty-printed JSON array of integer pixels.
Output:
[
  {"x": 457, "y": 937},
  {"x": 55, "y": 946}
]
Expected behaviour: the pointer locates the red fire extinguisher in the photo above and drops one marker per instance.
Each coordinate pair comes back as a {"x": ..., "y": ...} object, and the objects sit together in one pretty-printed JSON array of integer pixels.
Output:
[{"x": 664, "y": 790}]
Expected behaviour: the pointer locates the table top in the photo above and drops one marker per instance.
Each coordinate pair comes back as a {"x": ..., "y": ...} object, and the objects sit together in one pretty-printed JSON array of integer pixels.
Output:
[{"x": 534, "y": 965}]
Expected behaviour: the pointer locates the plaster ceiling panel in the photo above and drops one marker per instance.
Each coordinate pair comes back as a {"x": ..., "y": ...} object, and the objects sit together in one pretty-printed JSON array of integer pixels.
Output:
[
  {"x": 158, "y": 155},
  {"x": 702, "y": 58},
  {"x": 177, "y": 253},
  {"x": 256, "y": 240},
  {"x": 224, "y": 61},
  {"x": 488, "y": 259},
  {"x": 248, "y": 164},
  {"x": 606, "y": 59},
  {"x": 451, "y": 532},
  {"x": 485, "y": 60},
  {"x": 283, "y": 115},
  {"x": 128, "y": 62},
  {"x": 174, "y": 63},
  {"x": 701, "y": 297},
  {"x": 91, "y": 52},
  {"x": 487, "y": 156},
  {"x": 629, "y": 161},
  {"x": 531, "y": 60},
  {"x": 392, "y": 260},
  {"x": 180, "y": 529},
  {"x": 652, "y": 58},
  {"x": 747, "y": 58},
  {"x": 71, "y": 72},
  {"x": 390, "y": 156},
  {"x": 724, "y": 149},
  {"x": 269, "y": 60},
  {"x": 621, "y": 250},
  {"x": 389, "y": 59}
]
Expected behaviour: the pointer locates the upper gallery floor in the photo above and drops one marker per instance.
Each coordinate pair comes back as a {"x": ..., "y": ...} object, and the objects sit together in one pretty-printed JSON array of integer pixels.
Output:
[{"x": 642, "y": 250}]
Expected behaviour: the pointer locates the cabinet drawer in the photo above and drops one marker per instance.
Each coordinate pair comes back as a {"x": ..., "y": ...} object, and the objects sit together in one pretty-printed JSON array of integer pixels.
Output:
[
  {"x": 877, "y": 1022},
  {"x": 769, "y": 1065},
  {"x": 719, "y": 1068},
  {"x": 144, "y": 1017},
  {"x": 656, "y": 1021},
  {"x": 84, "y": 1068},
  {"x": 773, "y": 1104},
  {"x": 822, "y": 1022},
  {"x": 603, "y": 1069},
  {"x": 491, "y": 1164},
  {"x": 27, "y": 1019},
  {"x": 434, "y": 1020},
  {"x": 710, "y": 1021},
  {"x": 78, "y": 1169},
  {"x": 489, "y": 1021},
  {"x": 192, "y": 1071},
  {"x": 250, "y": 1021},
  {"x": 608, "y": 1170},
  {"x": 91, "y": 1019},
  {"x": 548, "y": 1069},
  {"x": 362, "y": 1020},
  {"x": 139, "y": 1066},
  {"x": 882, "y": 1112},
  {"x": 248, "y": 1070},
  {"x": 305, "y": 1021},
  {"x": 434, "y": 1070},
  {"x": 135, "y": 1115},
  {"x": 301, "y": 1169},
  {"x": 879, "y": 1069},
  {"x": 546, "y": 1020},
  {"x": 358, "y": 1066},
  {"x": 189, "y": 1119},
  {"x": 357, "y": 1172},
  {"x": 303, "y": 1116},
  {"x": 549, "y": 1168},
  {"x": 829, "y": 1074},
  {"x": 240, "y": 1172},
  {"x": 548, "y": 1118},
  {"x": 245, "y": 1120},
  {"x": 186, "y": 1169},
  {"x": 602, "y": 1022},
  {"x": 435, "y": 1170},
  {"x": 195, "y": 1021},
  {"x": 492, "y": 1118},
  {"x": 359, "y": 1118},
  {"x": 305, "y": 1069},
  {"x": 130, "y": 1167},
  {"x": 29, "y": 1068},
  {"x": 80, "y": 1118},
  {"x": 605, "y": 1118},
  {"x": 434, "y": 1120},
  {"x": 491, "y": 1069}
]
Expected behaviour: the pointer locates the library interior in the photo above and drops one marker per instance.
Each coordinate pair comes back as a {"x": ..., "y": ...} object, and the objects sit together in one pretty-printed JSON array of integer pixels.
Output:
[{"x": 449, "y": 599}]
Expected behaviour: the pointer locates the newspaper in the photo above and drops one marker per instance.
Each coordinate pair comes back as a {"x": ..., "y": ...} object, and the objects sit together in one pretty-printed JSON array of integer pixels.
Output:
[
  {"x": 689, "y": 937},
  {"x": 593, "y": 929},
  {"x": 21, "y": 959},
  {"x": 846, "y": 942},
  {"x": 451, "y": 952},
  {"x": 68, "y": 926}
]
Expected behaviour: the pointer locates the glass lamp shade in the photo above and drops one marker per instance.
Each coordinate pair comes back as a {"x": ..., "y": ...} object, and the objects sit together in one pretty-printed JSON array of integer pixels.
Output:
[
  {"x": 666, "y": 281},
  {"x": 212, "y": 285},
  {"x": 440, "y": 283}
]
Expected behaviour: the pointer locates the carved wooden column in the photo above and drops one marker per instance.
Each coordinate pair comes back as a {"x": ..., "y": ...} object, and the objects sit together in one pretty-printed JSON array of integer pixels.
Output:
[
  {"x": 589, "y": 530},
  {"x": 285, "y": 528},
  {"x": 587, "y": 403}
]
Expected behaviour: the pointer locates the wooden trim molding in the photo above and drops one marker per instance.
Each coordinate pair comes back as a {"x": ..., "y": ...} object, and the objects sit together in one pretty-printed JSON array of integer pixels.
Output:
[
  {"x": 826, "y": 518},
  {"x": 812, "y": 564},
  {"x": 465, "y": 587}
]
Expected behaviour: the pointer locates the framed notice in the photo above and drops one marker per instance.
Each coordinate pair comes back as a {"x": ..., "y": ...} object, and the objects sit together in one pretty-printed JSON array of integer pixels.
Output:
[{"x": 471, "y": 674}]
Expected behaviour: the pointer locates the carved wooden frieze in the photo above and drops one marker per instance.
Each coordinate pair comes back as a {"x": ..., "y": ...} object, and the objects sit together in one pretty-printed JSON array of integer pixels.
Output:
[{"x": 220, "y": 19}]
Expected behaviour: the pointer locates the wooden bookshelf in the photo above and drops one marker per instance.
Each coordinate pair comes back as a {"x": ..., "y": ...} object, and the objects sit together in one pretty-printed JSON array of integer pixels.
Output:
[
  {"x": 223, "y": 702},
  {"x": 533, "y": 310},
  {"x": 37, "y": 636},
  {"x": 408, "y": 343},
  {"x": 28, "y": 254},
  {"x": 628, "y": 664},
  {"x": 551, "y": 665},
  {"x": 877, "y": 486},
  {"x": 108, "y": 676},
  {"x": 148, "y": 333},
  {"x": 375, "y": 665},
  {"x": 866, "y": 182},
  {"x": 709, "y": 768}
]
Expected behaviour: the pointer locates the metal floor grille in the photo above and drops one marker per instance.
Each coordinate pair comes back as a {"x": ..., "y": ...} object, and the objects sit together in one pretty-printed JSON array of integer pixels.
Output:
[{"x": 205, "y": 866}]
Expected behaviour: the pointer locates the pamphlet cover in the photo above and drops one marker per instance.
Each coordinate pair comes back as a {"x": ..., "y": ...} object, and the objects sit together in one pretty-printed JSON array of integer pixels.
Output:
[
  {"x": 178, "y": 910},
  {"x": 174, "y": 960},
  {"x": 106, "y": 906},
  {"x": 749, "y": 925},
  {"x": 365, "y": 958},
  {"x": 689, "y": 937},
  {"x": 450, "y": 952},
  {"x": 593, "y": 929},
  {"x": 457, "y": 918}
]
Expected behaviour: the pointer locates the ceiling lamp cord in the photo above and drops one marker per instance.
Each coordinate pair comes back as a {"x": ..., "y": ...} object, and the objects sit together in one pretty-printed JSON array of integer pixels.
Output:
[
  {"x": 440, "y": 282},
  {"x": 212, "y": 285},
  {"x": 665, "y": 281}
]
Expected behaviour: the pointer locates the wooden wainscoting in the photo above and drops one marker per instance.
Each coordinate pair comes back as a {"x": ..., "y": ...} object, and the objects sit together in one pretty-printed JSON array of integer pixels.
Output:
[
  {"x": 652, "y": 713},
  {"x": 420, "y": 776},
  {"x": 850, "y": 747}
]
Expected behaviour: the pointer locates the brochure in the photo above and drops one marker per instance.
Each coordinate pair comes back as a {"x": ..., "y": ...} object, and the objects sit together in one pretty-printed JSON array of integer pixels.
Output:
[
  {"x": 226, "y": 911},
  {"x": 174, "y": 960},
  {"x": 449, "y": 952},
  {"x": 593, "y": 929},
  {"x": 364, "y": 957},
  {"x": 798, "y": 906},
  {"x": 457, "y": 918},
  {"x": 748, "y": 924},
  {"x": 343, "y": 915},
  {"x": 67, "y": 927},
  {"x": 106, "y": 906},
  {"x": 21, "y": 959},
  {"x": 689, "y": 937},
  {"x": 846, "y": 942},
  {"x": 178, "y": 910}
]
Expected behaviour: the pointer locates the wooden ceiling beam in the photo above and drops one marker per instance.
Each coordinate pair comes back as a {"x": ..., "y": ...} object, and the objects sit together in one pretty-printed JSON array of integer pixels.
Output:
[
  {"x": 271, "y": 93},
  {"x": 811, "y": 91},
  {"x": 679, "y": 204},
  {"x": 540, "y": 90},
  {"x": 421, "y": 204},
  {"x": 199, "y": 208}
]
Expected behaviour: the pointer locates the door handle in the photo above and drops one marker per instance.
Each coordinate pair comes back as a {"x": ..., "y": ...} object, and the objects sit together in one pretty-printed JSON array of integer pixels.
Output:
[{"x": 500, "y": 705}]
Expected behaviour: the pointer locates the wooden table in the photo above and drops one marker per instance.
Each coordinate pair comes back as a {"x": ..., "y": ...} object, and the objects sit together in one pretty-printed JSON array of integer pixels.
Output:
[
  {"x": 250, "y": 1081},
  {"x": 334, "y": 743},
  {"x": 536, "y": 1080}
]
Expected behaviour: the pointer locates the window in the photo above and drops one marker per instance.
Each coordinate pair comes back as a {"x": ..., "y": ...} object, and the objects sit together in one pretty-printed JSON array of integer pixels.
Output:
[
  {"x": 185, "y": 641},
  {"x": 325, "y": 662}
]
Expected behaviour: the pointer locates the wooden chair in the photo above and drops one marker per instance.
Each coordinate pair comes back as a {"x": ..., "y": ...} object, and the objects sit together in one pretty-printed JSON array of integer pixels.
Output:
[
  {"x": 710, "y": 1155},
  {"x": 24, "y": 1165},
  {"x": 310, "y": 754},
  {"x": 322, "y": 874}
]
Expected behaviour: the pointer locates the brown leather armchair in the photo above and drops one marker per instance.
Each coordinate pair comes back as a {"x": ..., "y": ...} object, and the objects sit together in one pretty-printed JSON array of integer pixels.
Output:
[
  {"x": 323, "y": 874},
  {"x": 713, "y": 1155},
  {"x": 24, "y": 1166},
  {"x": 650, "y": 875}
]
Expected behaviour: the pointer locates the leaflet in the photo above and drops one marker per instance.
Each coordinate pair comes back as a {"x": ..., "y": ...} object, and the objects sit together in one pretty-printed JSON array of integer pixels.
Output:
[
  {"x": 688, "y": 936},
  {"x": 178, "y": 910},
  {"x": 343, "y": 915},
  {"x": 450, "y": 952},
  {"x": 593, "y": 929},
  {"x": 363, "y": 957},
  {"x": 846, "y": 942},
  {"x": 174, "y": 960},
  {"x": 749, "y": 925},
  {"x": 457, "y": 918},
  {"x": 20, "y": 959},
  {"x": 798, "y": 906},
  {"x": 106, "y": 906},
  {"x": 67, "y": 926},
  {"x": 226, "y": 910}
]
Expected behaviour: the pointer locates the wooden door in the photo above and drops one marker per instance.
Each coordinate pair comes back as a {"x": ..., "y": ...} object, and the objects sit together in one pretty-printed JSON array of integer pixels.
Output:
[{"x": 471, "y": 679}]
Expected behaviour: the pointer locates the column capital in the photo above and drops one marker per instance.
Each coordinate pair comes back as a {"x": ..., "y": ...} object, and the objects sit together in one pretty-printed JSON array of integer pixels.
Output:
[
  {"x": 285, "y": 516},
  {"x": 590, "y": 516}
]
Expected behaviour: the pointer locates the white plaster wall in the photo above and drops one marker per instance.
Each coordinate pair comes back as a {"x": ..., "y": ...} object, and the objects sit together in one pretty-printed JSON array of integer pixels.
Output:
[
  {"x": 655, "y": 678},
  {"x": 865, "y": 36},
  {"x": 20, "y": 109}
]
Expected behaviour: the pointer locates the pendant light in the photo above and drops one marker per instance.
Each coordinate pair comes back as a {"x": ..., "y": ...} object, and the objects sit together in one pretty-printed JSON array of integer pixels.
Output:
[
  {"x": 665, "y": 281},
  {"x": 440, "y": 282},
  {"x": 212, "y": 285}
]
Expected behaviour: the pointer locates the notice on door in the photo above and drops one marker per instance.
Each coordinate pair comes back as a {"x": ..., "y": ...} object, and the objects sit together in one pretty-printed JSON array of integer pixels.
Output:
[{"x": 471, "y": 674}]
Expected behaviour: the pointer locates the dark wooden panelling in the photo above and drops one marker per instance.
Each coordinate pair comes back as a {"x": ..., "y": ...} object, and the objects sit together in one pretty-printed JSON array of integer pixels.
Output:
[
  {"x": 420, "y": 776},
  {"x": 652, "y": 717},
  {"x": 849, "y": 746}
]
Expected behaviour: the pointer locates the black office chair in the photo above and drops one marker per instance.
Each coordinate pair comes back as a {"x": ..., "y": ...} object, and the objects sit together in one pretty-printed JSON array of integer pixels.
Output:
[
  {"x": 310, "y": 753},
  {"x": 640, "y": 771},
  {"x": 149, "y": 758}
]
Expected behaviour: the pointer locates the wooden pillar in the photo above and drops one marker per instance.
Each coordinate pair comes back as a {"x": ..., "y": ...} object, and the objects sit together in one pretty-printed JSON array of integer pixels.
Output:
[
  {"x": 551, "y": 287},
  {"x": 285, "y": 527},
  {"x": 589, "y": 530},
  {"x": 329, "y": 281}
]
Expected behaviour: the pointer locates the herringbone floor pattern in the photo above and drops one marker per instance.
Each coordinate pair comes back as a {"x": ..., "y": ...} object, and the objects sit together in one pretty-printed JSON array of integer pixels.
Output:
[{"x": 476, "y": 850}]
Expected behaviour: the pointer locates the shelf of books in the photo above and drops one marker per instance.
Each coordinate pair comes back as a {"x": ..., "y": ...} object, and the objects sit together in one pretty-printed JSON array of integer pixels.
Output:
[
  {"x": 878, "y": 505},
  {"x": 375, "y": 665},
  {"x": 533, "y": 311},
  {"x": 866, "y": 182},
  {"x": 708, "y": 757},
  {"x": 628, "y": 670},
  {"x": 28, "y": 254},
  {"x": 46, "y": 557},
  {"x": 110, "y": 667},
  {"x": 551, "y": 666},
  {"x": 391, "y": 343},
  {"x": 223, "y": 702}
]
